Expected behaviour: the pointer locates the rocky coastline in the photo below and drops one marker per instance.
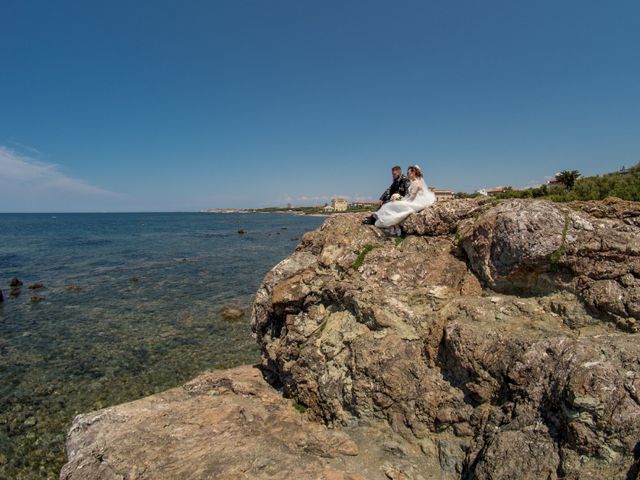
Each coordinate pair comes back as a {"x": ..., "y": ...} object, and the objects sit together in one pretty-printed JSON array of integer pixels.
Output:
[{"x": 498, "y": 340}]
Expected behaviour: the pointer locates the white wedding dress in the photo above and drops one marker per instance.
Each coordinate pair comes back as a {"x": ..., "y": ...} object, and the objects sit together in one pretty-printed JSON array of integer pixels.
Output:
[{"x": 392, "y": 213}]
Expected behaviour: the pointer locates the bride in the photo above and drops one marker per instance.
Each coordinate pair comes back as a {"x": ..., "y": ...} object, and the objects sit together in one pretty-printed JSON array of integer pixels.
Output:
[{"x": 418, "y": 198}]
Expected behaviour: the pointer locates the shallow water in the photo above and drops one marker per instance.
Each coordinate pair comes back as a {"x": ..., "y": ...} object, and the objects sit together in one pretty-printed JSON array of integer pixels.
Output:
[{"x": 143, "y": 318}]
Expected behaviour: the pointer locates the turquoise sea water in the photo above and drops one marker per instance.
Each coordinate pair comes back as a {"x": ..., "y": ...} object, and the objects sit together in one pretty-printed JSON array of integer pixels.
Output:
[{"x": 130, "y": 307}]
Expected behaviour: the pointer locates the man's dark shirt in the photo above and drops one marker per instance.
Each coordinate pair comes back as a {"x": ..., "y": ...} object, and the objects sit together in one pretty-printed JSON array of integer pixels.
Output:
[{"x": 400, "y": 186}]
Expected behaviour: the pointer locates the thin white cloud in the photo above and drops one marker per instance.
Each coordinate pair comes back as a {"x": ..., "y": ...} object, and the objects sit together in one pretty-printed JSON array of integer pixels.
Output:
[
  {"x": 22, "y": 146},
  {"x": 364, "y": 198},
  {"x": 316, "y": 198},
  {"x": 17, "y": 170}
]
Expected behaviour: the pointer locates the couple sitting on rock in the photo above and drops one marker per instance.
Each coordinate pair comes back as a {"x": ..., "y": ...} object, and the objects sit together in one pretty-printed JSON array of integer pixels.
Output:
[{"x": 405, "y": 196}]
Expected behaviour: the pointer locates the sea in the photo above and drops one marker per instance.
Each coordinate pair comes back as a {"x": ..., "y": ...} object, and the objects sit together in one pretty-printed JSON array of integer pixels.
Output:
[{"x": 128, "y": 305}]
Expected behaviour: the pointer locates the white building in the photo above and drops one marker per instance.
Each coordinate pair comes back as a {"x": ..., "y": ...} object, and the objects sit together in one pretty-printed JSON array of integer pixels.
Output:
[
  {"x": 339, "y": 204},
  {"x": 442, "y": 194}
]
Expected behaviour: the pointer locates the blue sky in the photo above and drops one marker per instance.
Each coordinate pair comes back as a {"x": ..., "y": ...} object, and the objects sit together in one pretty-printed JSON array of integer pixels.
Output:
[{"x": 167, "y": 105}]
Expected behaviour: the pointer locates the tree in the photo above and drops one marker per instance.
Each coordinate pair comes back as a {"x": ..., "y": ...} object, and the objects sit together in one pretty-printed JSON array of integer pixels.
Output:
[{"x": 568, "y": 178}]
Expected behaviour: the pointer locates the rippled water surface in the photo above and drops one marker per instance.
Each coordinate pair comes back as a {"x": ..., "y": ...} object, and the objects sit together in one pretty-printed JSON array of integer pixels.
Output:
[{"x": 130, "y": 307}]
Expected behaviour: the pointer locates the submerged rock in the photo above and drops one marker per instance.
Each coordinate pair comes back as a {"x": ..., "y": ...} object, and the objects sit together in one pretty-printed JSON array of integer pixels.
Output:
[
  {"x": 36, "y": 286},
  {"x": 36, "y": 299},
  {"x": 72, "y": 288},
  {"x": 15, "y": 282},
  {"x": 1, "y": 297},
  {"x": 231, "y": 313}
]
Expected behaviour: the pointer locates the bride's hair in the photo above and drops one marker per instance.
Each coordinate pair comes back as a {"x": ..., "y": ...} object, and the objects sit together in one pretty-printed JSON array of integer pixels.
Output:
[{"x": 416, "y": 170}]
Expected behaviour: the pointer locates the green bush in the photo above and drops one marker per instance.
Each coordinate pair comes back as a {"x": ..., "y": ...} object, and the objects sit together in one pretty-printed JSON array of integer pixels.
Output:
[{"x": 624, "y": 185}]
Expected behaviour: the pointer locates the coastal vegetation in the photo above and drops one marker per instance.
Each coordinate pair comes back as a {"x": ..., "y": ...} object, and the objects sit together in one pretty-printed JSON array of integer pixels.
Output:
[
  {"x": 300, "y": 407},
  {"x": 624, "y": 184},
  {"x": 568, "y": 178},
  {"x": 361, "y": 256}
]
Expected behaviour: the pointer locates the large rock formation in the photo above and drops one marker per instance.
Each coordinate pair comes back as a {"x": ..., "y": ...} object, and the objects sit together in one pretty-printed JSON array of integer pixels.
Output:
[
  {"x": 504, "y": 331},
  {"x": 496, "y": 341}
]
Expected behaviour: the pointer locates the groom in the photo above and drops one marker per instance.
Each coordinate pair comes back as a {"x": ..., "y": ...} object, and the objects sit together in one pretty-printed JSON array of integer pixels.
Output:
[{"x": 400, "y": 185}]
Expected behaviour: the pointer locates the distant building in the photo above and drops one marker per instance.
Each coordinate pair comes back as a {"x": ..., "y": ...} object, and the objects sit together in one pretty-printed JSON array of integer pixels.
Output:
[
  {"x": 491, "y": 192},
  {"x": 328, "y": 208},
  {"x": 554, "y": 180},
  {"x": 339, "y": 204},
  {"x": 289, "y": 206},
  {"x": 442, "y": 194},
  {"x": 363, "y": 204}
]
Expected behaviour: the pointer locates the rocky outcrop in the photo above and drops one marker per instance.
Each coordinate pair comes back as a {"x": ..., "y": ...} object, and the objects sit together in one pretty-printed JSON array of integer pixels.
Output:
[
  {"x": 611, "y": 208},
  {"x": 228, "y": 424},
  {"x": 536, "y": 247},
  {"x": 495, "y": 341},
  {"x": 443, "y": 218},
  {"x": 488, "y": 326}
]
